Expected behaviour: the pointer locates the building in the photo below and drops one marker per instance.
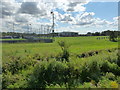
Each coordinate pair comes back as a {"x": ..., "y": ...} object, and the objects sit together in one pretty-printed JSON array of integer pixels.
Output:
[
  {"x": 6, "y": 37},
  {"x": 68, "y": 34}
]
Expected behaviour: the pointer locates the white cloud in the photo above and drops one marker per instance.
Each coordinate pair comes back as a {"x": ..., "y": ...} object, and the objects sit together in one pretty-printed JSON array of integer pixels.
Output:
[
  {"x": 105, "y": 0},
  {"x": 116, "y": 22},
  {"x": 84, "y": 19},
  {"x": 8, "y": 8},
  {"x": 30, "y": 11},
  {"x": 67, "y": 18},
  {"x": 87, "y": 19}
]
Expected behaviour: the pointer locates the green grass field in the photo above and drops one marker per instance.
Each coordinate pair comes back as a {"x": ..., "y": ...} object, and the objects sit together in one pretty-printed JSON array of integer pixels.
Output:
[
  {"x": 30, "y": 65},
  {"x": 77, "y": 45}
]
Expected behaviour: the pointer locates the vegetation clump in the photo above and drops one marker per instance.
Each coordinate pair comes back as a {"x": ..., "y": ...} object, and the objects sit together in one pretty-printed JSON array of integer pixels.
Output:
[{"x": 65, "y": 52}]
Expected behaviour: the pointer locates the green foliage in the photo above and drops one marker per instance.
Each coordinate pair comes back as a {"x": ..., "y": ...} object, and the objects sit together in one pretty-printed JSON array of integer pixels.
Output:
[
  {"x": 113, "y": 37},
  {"x": 9, "y": 79},
  {"x": 118, "y": 79},
  {"x": 106, "y": 83},
  {"x": 47, "y": 73},
  {"x": 90, "y": 71},
  {"x": 41, "y": 66},
  {"x": 118, "y": 61},
  {"x": 110, "y": 76},
  {"x": 65, "y": 53},
  {"x": 17, "y": 64}
]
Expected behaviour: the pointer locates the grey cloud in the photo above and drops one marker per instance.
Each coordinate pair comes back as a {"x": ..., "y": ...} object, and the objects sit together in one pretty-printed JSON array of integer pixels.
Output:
[
  {"x": 70, "y": 9},
  {"x": 6, "y": 9},
  {"x": 73, "y": 4},
  {"x": 66, "y": 18},
  {"x": 85, "y": 23},
  {"x": 31, "y": 8},
  {"x": 20, "y": 19}
]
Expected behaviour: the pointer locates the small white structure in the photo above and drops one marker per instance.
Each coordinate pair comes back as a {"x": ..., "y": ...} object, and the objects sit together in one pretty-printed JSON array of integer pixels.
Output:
[{"x": 68, "y": 34}]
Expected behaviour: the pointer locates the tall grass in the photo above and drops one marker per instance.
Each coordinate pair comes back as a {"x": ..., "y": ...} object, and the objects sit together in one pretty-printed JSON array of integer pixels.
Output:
[{"x": 92, "y": 71}]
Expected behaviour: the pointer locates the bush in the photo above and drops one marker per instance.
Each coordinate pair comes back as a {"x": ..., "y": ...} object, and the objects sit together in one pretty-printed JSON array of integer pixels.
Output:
[
  {"x": 105, "y": 83},
  {"x": 65, "y": 53},
  {"x": 9, "y": 79},
  {"x": 90, "y": 71},
  {"x": 47, "y": 73},
  {"x": 110, "y": 76},
  {"x": 16, "y": 64}
]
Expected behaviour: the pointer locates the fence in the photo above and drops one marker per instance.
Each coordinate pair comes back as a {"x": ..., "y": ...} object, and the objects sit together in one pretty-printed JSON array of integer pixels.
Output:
[{"x": 27, "y": 41}]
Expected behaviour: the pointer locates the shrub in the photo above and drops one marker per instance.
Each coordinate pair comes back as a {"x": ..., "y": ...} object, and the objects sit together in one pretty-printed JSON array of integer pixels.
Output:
[
  {"x": 105, "y": 66},
  {"x": 114, "y": 84},
  {"x": 118, "y": 61},
  {"x": 104, "y": 84},
  {"x": 118, "y": 79},
  {"x": 65, "y": 53},
  {"x": 110, "y": 76},
  {"x": 90, "y": 71},
  {"x": 47, "y": 73},
  {"x": 9, "y": 79},
  {"x": 16, "y": 64}
]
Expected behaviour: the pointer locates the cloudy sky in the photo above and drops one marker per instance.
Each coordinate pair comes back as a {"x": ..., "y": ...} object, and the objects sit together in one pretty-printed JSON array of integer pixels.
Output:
[{"x": 70, "y": 15}]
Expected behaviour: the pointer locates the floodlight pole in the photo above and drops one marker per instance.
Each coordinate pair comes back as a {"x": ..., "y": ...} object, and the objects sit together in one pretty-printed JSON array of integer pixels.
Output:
[
  {"x": 53, "y": 24},
  {"x": 39, "y": 30},
  {"x": 30, "y": 28},
  {"x": 13, "y": 27},
  {"x": 13, "y": 31}
]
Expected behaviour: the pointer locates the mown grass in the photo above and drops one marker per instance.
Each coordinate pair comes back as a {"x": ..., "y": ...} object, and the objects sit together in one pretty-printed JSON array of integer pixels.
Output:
[{"x": 77, "y": 45}]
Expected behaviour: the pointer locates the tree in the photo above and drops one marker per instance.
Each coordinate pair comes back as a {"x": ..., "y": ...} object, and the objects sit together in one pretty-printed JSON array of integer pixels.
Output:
[
  {"x": 112, "y": 36},
  {"x": 97, "y": 33}
]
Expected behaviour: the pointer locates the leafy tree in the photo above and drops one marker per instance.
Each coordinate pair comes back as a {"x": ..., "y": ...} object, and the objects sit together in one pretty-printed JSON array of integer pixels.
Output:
[{"x": 112, "y": 37}]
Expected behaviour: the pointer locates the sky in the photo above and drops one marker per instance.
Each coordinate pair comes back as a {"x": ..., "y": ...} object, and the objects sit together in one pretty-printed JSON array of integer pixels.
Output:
[{"x": 80, "y": 16}]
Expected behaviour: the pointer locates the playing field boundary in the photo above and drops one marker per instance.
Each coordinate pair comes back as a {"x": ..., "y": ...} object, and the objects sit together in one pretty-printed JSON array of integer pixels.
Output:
[{"x": 27, "y": 41}]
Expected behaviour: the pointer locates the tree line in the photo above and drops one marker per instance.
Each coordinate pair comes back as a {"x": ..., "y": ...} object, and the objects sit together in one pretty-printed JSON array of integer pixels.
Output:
[{"x": 104, "y": 33}]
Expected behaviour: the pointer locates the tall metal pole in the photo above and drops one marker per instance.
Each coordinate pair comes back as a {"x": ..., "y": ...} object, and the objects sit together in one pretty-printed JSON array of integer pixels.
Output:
[
  {"x": 48, "y": 32},
  {"x": 41, "y": 29},
  {"x": 13, "y": 27},
  {"x": 44, "y": 30},
  {"x": 13, "y": 31},
  {"x": 28, "y": 28},
  {"x": 53, "y": 24}
]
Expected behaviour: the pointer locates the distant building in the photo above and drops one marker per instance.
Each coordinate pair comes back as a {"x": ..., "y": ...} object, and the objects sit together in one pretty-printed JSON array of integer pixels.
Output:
[
  {"x": 68, "y": 34},
  {"x": 6, "y": 37}
]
